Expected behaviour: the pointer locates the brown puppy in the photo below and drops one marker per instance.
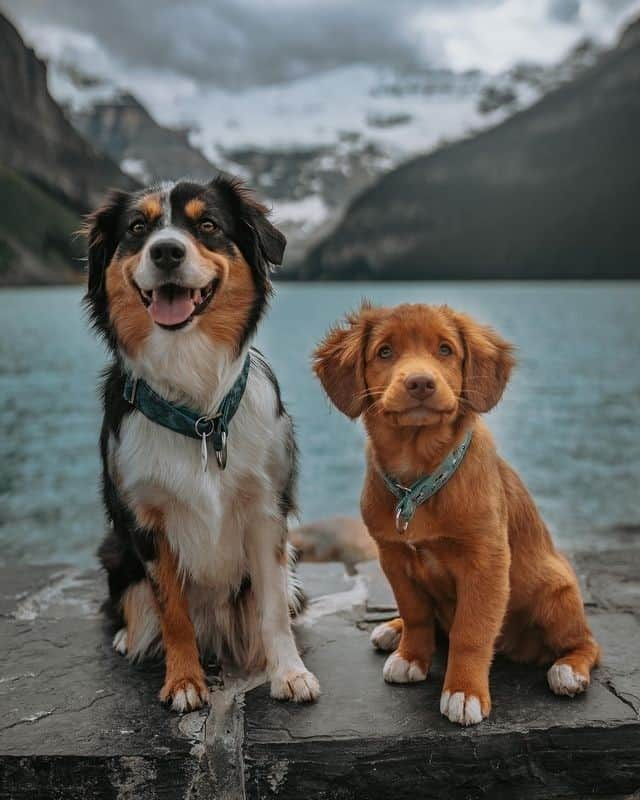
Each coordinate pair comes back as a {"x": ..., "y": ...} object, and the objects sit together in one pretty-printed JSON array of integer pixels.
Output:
[{"x": 476, "y": 557}]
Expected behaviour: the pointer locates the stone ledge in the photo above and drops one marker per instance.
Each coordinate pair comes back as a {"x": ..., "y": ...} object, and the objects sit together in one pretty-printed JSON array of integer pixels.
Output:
[{"x": 77, "y": 721}]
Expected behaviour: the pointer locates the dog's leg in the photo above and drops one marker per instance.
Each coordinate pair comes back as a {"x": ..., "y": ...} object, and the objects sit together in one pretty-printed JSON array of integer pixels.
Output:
[
  {"x": 185, "y": 686},
  {"x": 290, "y": 679},
  {"x": 566, "y": 632},
  {"x": 482, "y": 591},
  {"x": 386, "y": 636},
  {"x": 412, "y": 659}
]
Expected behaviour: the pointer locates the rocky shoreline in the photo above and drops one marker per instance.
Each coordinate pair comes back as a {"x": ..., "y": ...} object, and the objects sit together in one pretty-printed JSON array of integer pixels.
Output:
[{"x": 78, "y": 721}]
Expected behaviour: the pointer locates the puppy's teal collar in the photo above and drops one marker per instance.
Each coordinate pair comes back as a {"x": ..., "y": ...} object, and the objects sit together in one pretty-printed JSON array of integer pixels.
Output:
[
  {"x": 179, "y": 419},
  {"x": 410, "y": 497}
]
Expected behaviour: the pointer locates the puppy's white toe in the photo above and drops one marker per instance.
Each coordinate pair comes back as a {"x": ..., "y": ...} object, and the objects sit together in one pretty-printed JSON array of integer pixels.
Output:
[
  {"x": 397, "y": 670},
  {"x": 120, "y": 642},
  {"x": 301, "y": 686},
  {"x": 563, "y": 679},
  {"x": 460, "y": 708},
  {"x": 385, "y": 637}
]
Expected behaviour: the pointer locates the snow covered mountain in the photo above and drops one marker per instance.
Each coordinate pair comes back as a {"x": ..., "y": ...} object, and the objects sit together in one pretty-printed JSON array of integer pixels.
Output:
[{"x": 309, "y": 145}]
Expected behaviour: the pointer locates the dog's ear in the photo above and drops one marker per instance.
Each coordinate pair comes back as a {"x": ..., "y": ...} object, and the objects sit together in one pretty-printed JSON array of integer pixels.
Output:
[
  {"x": 101, "y": 228},
  {"x": 488, "y": 361},
  {"x": 339, "y": 362},
  {"x": 261, "y": 243}
]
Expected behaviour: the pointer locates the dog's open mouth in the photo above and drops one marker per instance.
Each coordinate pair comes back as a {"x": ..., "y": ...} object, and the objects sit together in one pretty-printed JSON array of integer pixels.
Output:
[{"x": 172, "y": 306}]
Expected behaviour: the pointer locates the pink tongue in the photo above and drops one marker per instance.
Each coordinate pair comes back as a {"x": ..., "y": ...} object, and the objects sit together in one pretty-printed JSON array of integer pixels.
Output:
[{"x": 171, "y": 308}]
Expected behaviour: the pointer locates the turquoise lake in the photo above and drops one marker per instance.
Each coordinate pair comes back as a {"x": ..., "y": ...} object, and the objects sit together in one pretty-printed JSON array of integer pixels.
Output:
[{"x": 568, "y": 421}]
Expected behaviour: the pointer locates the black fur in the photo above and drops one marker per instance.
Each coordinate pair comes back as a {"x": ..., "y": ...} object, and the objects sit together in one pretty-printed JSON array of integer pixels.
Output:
[
  {"x": 241, "y": 225},
  {"x": 287, "y": 498},
  {"x": 125, "y": 547}
]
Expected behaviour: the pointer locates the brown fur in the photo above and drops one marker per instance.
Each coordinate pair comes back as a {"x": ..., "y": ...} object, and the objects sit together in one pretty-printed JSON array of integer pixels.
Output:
[
  {"x": 194, "y": 208},
  {"x": 234, "y": 298},
  {"x": 151, "y": 207},
  {"x": 477, "y": 557},
  {"x": 182, "y": 660},
  {"x": 128, "y": 316}
]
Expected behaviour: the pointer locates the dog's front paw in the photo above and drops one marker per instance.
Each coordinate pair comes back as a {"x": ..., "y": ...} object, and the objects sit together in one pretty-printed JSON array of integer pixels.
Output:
[
  {"x": 298, "y": 685},
  {"x": 564, "y": 680},
  {"x": 186, "y": 693},
  {"x": 465, "y": 709},
  {"x": 400, "y": 670},
  {"x": 385, "y": 637}
]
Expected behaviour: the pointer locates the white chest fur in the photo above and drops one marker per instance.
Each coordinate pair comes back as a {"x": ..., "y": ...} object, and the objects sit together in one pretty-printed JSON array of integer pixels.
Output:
[{"x": 205, "y": 515}]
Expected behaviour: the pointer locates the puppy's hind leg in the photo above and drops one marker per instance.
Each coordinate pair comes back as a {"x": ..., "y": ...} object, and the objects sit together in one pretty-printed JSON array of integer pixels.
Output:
[
  {"x": 290, "y": 679},
  {"x": 387, "y": 635},
  {"x": 567, "y": 634}
]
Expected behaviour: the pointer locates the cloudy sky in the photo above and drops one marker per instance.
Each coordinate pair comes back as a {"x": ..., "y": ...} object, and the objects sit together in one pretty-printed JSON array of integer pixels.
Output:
[{"x": 244, "y": 43}]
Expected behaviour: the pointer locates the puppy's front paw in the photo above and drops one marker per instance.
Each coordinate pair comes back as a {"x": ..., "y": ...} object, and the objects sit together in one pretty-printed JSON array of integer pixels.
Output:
[
  {"x": 465, "y": 709},
  {"x": 400, "y": 670},
  {"x": 298, "y": 685},
  {"x": 385, "y": 637},
  {"x": 564, "y": 680},
  {"x": 186, "y": 693}
]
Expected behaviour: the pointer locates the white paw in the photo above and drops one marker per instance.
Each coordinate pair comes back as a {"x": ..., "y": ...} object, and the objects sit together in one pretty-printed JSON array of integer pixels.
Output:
[
  {"x": 397, "y": 670},
  {"x": 385, "y": 637},
  {"x": 188, "y": 698},
  {"x": 465, "y": 710},
  {"x": 298, "y": 685},
  {"x": 120, "y": 642},
  {"x": 563, "y": 679}
]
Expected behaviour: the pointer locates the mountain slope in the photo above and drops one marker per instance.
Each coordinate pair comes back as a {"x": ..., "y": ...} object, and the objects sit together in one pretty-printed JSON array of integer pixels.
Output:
[
  {"x": 123, "y": 128},
  {"x": 553, "y": 192},
  {"x": 37, "y": 241},
  {"x": 49, "y": 174}
]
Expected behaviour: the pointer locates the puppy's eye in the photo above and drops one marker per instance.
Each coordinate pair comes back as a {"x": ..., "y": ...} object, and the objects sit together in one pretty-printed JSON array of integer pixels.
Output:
[
  {"x": 385, "y": 351},
  {"x": 138, "y": 227},
  {"x": 207, "y": 226},
  {"x": 445, "y": 349}
]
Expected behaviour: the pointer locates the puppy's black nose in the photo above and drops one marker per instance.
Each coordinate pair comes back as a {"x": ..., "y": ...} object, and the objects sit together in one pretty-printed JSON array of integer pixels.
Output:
[
  {"x": 168, "y": 254},
  {"x": 420, "y": 386}
]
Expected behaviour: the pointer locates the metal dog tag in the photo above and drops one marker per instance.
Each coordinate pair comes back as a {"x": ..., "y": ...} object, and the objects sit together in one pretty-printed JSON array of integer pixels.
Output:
[{"x": 204, "y": 428}]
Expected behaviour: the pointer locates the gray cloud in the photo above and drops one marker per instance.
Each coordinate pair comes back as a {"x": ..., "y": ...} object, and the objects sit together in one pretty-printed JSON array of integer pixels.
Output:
[
  {"x": 237, "y": 43},
  {"x": 564, "y": 10},
  {"x": 245, "y": 42}
]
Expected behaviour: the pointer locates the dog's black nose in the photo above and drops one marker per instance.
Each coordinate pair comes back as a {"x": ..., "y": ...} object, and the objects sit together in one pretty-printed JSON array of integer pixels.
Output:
[
  {"x": 420, "y": 386},
  {"x": 168, "y": 254}
]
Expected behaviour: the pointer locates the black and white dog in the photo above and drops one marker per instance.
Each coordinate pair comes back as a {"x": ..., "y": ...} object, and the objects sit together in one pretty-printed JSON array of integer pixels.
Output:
[{"x": 196, "y": 552}]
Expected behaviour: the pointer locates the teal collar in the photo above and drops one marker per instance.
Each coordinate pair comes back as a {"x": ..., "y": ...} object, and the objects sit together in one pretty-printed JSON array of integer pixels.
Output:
[
  {"x": 141, "y": 396},
  {"x": 409, "y": 498}
]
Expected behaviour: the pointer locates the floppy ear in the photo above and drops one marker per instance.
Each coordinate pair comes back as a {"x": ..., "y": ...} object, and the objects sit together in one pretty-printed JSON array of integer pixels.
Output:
[
  {"x": 261, "y": 243},
  {"x": 488, "y": 361},
  {"x": 101, "y": 230},
  {"x": 339, "y": 363}
]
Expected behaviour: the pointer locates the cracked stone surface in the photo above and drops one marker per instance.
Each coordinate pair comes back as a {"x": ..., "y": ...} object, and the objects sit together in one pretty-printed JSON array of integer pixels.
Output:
[{"x": 78, "y": 721}]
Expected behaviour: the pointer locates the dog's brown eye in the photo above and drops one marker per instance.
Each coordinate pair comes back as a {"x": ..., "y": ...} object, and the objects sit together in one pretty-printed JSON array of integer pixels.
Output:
[
  {"x": 138, "y": 227},
  {"x": 206, "y": 226},
  {"x": 385, "y": 351},
  {"x": 445, "y": 349}
]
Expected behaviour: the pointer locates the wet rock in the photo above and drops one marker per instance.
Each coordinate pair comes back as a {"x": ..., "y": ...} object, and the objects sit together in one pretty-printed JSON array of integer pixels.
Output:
[{"x": 78, "y": 721}]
